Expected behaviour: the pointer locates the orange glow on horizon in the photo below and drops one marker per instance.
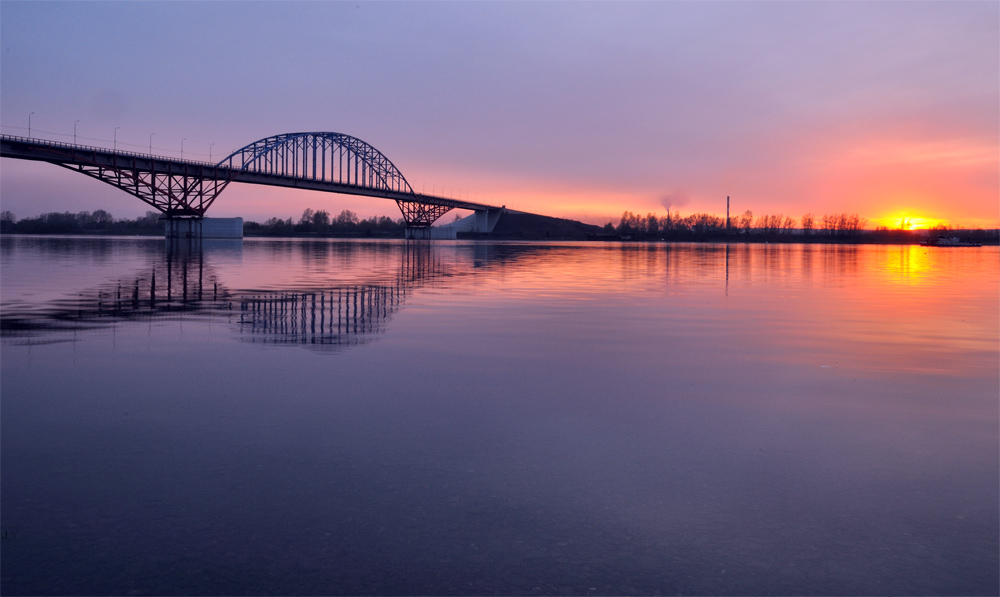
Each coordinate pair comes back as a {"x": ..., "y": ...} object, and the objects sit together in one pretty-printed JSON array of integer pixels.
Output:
[
  {"x": 908, "y": 221},
  {"x": 880, "y": 204}
]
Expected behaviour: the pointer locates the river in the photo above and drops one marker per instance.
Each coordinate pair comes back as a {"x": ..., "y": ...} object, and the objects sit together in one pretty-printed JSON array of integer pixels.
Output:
[{"x": 382, "y": 417}]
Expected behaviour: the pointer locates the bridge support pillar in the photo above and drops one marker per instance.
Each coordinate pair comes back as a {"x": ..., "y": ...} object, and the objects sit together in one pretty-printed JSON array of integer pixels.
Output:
[
  {"x": 418, "y": 233},
  {"x": 230, "y": 228},
  {"x": 428, "y": 233}
]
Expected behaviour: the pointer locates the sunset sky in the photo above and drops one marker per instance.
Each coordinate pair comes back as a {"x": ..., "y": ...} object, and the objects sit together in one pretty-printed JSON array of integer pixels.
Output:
[{"x": 581, "y": 110}]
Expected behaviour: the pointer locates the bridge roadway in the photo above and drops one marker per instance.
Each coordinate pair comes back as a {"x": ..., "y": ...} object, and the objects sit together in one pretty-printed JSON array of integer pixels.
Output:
[{"x": 186, "y": 188}]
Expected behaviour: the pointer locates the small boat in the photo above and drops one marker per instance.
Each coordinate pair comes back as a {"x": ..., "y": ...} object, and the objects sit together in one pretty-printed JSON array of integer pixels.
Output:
[{"x": 949, "y": 241}]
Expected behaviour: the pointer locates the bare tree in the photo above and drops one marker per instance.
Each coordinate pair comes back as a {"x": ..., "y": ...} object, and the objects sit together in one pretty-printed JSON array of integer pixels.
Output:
[
  {"x": 843, "y": 224},
  {"x": 321, "y": 218},
  {"x": 768, "y": 224},
  {"x": 347, "y": 217},
  {"x": 102, "y": 218},
  {"x": 307, "y": 217},
  {"x": 701, "y": 223},
  {"x": 630, "y": 224},
  {"x": 829, "y": 224},
  {"x": 652, "y": 224},
  {"x": 855, "y": 224}
]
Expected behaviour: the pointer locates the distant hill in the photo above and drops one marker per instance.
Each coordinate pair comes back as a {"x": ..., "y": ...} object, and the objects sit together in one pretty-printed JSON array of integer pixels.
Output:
[{"x": 518, "y": 225}]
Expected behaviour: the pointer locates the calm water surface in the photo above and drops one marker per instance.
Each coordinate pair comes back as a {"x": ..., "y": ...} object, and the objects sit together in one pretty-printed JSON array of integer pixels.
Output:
[{"x": 297, "y": 417}]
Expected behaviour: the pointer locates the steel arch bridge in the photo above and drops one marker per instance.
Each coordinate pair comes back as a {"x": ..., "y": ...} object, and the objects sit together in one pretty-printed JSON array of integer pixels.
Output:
[
  {"x": 334, "y": 157},
  {"x": 321, "y": 161}
]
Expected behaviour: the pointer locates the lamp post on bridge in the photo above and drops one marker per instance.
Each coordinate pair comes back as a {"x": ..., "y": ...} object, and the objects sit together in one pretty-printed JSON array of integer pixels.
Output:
[
  {"x": 74, "y": 131},
  {"x": 151, "y": 143},
  {"x": 116, "y": 137},
  {"x": 182, "y": 147},
  {"x": 210, "y": 152},
  {"x": 29, "y": 125}
]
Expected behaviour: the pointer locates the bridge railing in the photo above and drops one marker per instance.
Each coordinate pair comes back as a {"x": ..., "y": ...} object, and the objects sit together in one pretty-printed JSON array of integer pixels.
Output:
[{"x": 74, "y": 146}]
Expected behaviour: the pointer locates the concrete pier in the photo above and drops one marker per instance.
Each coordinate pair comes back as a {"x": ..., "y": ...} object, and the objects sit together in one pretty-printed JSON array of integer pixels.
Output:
[
  {"x": 431, "y": 233},
  {"x": 228, "y": 228}
]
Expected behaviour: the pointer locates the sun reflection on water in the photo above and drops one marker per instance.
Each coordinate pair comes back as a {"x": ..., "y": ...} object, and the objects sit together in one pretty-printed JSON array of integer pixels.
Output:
[{"x": 907, "y": 265}]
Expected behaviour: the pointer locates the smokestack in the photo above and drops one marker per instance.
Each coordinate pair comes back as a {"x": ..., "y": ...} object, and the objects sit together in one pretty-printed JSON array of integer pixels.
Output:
[{"x": 727, "y": 213}]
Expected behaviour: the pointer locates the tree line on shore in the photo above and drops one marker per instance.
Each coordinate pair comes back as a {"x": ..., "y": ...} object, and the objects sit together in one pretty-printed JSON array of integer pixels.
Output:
[
  {"x": 311, "y": 223},
  {"x": 674, "y": 225},
  {"x": 320, "y": 223},
  {"x": 84, "y": 222},
  {"x": 837, "y": 227},
  {"x": 631, "y": 226}
]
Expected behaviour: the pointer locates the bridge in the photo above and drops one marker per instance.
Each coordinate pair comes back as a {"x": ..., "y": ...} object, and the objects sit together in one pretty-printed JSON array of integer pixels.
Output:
[{"x": 319, "y": 161}]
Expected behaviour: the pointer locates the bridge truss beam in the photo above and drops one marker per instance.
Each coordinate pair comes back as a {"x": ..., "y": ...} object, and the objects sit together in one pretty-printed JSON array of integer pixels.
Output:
[
  {"x": 421, "y": 215},
  {"x": 187, "y": 193}
]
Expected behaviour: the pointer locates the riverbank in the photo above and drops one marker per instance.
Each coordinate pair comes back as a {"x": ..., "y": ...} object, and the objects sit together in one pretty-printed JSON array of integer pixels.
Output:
[
  {"x": 512, "y": 225},
  {"x": 985, "y": 238}
]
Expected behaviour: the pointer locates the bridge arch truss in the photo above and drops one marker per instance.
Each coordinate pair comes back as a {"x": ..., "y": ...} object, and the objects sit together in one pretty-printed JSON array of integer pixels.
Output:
[{"x": 337, "y": 159}]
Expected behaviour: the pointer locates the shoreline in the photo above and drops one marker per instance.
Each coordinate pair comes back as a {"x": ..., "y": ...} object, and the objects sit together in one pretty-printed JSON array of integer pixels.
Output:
[{"x": 984, "y": 237}]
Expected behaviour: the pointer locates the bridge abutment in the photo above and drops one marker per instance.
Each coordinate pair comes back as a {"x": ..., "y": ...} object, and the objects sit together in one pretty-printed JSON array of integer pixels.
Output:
[{"x": 486, "y": 220}]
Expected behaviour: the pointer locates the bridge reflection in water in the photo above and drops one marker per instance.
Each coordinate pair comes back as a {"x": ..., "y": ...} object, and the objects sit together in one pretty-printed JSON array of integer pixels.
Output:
[
  {"x": 336, "y": 316},
  {"x": 181, "y": 282}
]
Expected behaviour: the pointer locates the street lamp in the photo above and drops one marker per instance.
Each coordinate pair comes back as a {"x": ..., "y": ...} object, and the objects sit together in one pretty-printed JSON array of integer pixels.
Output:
[
  {"x": 116, "y": 137},
  {"x": 210, "y": 152},
  {"x": 151, "y": 143},
  {"x": 182, "y": 147},
  {"x": 74, "y": 131},
  {"x": 29, "y": 125}
]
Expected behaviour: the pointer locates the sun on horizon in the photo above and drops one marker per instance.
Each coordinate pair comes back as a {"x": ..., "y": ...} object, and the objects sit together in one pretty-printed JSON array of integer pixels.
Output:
[{"x": 909, "y": 221}]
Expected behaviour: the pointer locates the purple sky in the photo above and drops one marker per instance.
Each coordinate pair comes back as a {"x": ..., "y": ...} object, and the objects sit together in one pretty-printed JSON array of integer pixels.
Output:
[{"x": 573, "y": 109}]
